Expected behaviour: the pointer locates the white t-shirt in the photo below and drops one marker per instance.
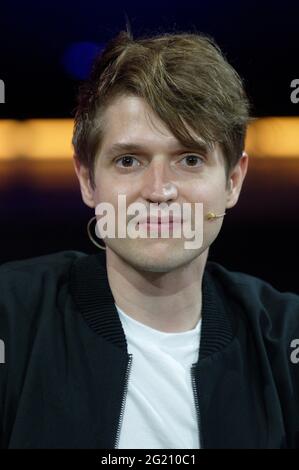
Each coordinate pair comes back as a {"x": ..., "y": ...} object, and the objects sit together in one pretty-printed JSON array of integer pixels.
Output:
[{"x": 160, "y": 408}]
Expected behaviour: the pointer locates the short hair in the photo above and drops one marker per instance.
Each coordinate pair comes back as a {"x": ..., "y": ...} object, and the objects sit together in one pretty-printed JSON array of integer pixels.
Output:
[{"x": 185, "y": 79}]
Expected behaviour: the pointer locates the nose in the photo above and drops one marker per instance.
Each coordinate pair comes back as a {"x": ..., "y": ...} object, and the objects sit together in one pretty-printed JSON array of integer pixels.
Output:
[{"x": 157, "y": 186}]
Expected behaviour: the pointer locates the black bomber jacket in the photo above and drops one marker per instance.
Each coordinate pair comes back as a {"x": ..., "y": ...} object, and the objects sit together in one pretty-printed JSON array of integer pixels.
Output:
[{"x": 65, "y": 367}]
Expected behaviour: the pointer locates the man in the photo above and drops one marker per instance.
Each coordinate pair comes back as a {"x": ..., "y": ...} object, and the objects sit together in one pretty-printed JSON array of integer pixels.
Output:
[{"x": 148, "y": 344}]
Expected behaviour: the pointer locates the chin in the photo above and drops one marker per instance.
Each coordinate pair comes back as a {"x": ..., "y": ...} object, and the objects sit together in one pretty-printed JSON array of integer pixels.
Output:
[{"x": 158, "y": 258}]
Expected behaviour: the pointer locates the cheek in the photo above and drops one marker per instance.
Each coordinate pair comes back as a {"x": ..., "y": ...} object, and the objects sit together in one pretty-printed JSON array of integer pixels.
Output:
[
  {"x": 104, "y": 196},
  {"x": 105, "y": 190},
  {"x": 212, "y": 196},
  {"x": 212, "y": 191},
  {"x": 201, "y": 192},
  {"x": 109, "y": 192},
  {"x": 109, "y": 188}
]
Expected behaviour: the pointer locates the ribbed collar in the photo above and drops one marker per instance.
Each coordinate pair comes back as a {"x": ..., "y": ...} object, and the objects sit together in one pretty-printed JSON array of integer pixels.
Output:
[{"x": 92, "y": 295}]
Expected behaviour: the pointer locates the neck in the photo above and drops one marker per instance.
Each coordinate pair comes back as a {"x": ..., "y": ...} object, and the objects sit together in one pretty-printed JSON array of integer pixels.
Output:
[{"x": 170, "y": 302}]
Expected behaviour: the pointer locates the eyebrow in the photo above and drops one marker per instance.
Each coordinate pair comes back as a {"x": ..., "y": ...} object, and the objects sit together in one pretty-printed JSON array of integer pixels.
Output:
[{"x": 201, "y": 147}]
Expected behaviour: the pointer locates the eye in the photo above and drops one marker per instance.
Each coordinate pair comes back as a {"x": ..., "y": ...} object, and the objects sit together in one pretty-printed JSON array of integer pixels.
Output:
[
  {"x": 126, "y": 160},
  {"x": 193, "y": 160}
]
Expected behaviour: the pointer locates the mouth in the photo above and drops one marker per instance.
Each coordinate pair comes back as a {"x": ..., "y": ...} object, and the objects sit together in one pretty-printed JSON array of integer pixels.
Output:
[
  {"x": 160, "y": 221},
  {"x": 159, "y": 226}
]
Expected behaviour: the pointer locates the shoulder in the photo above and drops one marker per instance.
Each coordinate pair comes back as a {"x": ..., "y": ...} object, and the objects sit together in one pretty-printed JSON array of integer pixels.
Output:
[
  {"x": 247, "y": 284},
  {"x": 26, "y": 283},
  {"x": 55, "y": 264},
  {"x": 31, "y": 292},
  {"x": 53, "y": 261},
  {"x": 273, "y": 312}
]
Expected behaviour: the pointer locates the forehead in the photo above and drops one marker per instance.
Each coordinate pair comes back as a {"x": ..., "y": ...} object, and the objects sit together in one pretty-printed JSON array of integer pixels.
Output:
[{"x": 129, "y": 119}]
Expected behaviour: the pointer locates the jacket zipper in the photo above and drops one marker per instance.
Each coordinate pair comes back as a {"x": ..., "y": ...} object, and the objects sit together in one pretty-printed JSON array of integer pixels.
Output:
[
  {"x": 196, "y": 405},
  {"x": 123, "y": 401}
]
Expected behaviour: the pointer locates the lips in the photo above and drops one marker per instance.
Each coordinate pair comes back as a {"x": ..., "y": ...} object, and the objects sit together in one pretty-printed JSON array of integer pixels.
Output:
[{"x": 160, "y": 220}]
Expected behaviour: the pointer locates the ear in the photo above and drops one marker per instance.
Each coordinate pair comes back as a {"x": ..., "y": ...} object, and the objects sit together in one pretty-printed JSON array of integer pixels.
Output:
[
  {"x": 82, "y": 173},
  {"x": 236, "y": 180}
]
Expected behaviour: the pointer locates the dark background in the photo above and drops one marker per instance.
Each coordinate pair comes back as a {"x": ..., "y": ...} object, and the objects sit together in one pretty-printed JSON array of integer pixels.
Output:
[{"x": 42, "y": 60}]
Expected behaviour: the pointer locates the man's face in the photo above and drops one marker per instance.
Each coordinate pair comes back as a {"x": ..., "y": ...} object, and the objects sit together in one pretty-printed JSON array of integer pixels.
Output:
[{"x": 160, "y": 161}]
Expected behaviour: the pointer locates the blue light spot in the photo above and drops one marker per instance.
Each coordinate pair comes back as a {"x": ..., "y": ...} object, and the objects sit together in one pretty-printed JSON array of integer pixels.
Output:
[{"x": 78, "y": 57}]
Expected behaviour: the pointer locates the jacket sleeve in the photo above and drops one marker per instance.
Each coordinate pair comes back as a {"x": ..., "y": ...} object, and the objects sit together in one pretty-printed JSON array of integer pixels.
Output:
[
  {"x": 3, "y": 360},
  {"x": 273, "y": 318},
  {"x": 16, "y": 326},
  {"x": 282, "y": 341},
  {"x": 278, "y": 325},
  {"x": 26, "y": 288}
]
